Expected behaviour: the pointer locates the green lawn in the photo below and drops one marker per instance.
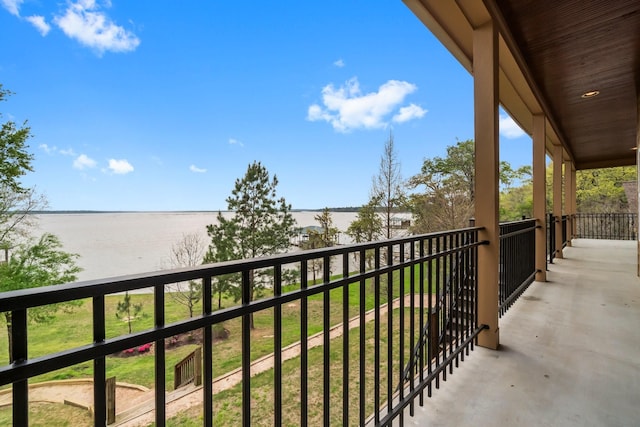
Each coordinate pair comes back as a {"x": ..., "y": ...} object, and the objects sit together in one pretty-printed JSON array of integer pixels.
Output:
[
  {"x": 227, "y": 405},
  {"x": 50, "y": 414},
  {"x": 69, "y": 330}
]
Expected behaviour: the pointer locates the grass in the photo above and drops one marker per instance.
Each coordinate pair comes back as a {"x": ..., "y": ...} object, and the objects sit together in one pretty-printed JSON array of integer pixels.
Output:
[
  {"x": 227, "y": 405},
  {"x": 74, "y": 329},
  {"x": 51, "y": 414}
]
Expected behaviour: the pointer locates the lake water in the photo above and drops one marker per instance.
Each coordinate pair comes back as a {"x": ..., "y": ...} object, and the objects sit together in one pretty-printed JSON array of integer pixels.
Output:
[{"x": 116, "y": 244}]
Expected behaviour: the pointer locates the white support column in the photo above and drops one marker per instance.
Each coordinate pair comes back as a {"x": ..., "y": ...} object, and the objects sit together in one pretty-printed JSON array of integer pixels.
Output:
[
  {"x": 485, "y": 73},
  {"x": 540, "y": 194},
  {"x": 557, "y": 196},
  {"x": 569, "y": 191}
]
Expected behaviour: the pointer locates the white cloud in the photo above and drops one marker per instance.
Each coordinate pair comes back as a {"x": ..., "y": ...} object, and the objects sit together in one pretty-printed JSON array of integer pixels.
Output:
[
  {"x": 55, "y": 150},
  {"x": 84, "y": 22},
  {"x": 40, "y": 24},
  {"x": 195, "y": 169},
  {"x": 84, "y": 162},
  {"x": 38, "y": 21},
  {"x": 410, "y": 112},
  {"x": 13, "y": 6},
  {"x": 346, "y": 108},
  {"x": 120, "y": 167},
  {"x": 234, "y": 141},
  {"x": 339, "y": 63},
  {"x": 46, "y": 148},
  {"x": 510, "y": 129}
]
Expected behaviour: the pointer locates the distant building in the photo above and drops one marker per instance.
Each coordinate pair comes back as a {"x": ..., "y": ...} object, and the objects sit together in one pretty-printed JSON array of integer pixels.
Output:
[{"x": 400, "y": 223}]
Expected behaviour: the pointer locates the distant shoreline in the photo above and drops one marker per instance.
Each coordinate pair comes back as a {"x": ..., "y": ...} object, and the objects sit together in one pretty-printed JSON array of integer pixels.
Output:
[{"x": 54, "y": 212}]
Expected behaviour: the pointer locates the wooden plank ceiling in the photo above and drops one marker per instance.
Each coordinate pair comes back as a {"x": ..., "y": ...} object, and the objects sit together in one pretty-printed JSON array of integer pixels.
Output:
[
  {"x": 575, "y": 46},
  {"x": 553, "y": 52}
]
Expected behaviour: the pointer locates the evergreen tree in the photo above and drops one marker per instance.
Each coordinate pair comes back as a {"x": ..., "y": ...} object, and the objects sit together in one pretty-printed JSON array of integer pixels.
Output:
[
  {"x": 127, "y": 310},
  {"x": 223, "y": 248},
  {"x": 367, "y": 227},
  {"x": 328, "y": 233},
  {"x": 262, "y": 223}
]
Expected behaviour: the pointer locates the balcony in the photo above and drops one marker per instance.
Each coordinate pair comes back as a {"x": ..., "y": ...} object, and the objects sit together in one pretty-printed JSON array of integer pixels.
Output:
[
  {"x": 385, "y": 359},
  {"x": 568, "y": 353},
  {"x": 567, "y": 350}
]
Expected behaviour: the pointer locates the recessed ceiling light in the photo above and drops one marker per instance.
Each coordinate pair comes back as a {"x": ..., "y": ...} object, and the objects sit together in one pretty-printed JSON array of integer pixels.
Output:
[{"x": 590, "y": 94}]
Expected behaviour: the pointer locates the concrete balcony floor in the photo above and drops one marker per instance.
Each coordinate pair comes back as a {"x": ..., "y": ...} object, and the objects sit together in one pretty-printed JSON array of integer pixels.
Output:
[{"x": 569, "y": 354}]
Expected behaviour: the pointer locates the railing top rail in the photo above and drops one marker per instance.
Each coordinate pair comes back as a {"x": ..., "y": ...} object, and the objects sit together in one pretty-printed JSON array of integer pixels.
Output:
[
  {"x": 25, "y": 298},
  {"x": 606, "y": 214},
  {"x": 520, "y": 231},
  {"x": 518, "y": 221}
]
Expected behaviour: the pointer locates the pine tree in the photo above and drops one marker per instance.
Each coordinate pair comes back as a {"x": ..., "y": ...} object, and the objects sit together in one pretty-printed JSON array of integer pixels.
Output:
[
  {"x": 262, "y": 223},
  {"x": 128, "y": 311}
]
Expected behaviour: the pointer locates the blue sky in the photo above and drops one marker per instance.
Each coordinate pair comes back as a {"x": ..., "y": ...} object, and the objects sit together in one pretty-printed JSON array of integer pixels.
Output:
[{"x": 161, "y": 105}]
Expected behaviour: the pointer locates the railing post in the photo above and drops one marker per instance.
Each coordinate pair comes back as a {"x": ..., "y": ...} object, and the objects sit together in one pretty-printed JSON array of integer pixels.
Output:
[
  {"x": 197, "y": 368},
  {"x": 110, "y": 391},
  {"x": 177, "y": 376},
  {"x": 207, "y": 391},
  {"x": 551, "y": 222},
  {"x": 160, "y": 361},
  {"x": 20, "y": 388},
  {"x": 247, "y": 276},
  {"x": 100, "y": 403}
]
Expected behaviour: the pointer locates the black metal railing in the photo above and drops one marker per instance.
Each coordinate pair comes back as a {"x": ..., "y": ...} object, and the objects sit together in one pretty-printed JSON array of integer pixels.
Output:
[
  {"x": 613, "y": 226},
  {"x": 517, "y": 260},
  {"x": 449, "y": 329},
  {"x": 566, "y": 224},
  {"x": 551, "y": 238},
  {"x": 565, "y": 221},
  {"x": 451, "y": 313},
  {"x": 406, "y": 273}
]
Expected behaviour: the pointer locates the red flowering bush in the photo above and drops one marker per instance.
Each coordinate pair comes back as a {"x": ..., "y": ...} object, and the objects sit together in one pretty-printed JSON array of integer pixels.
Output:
[{"x": 144, "y": 348}]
